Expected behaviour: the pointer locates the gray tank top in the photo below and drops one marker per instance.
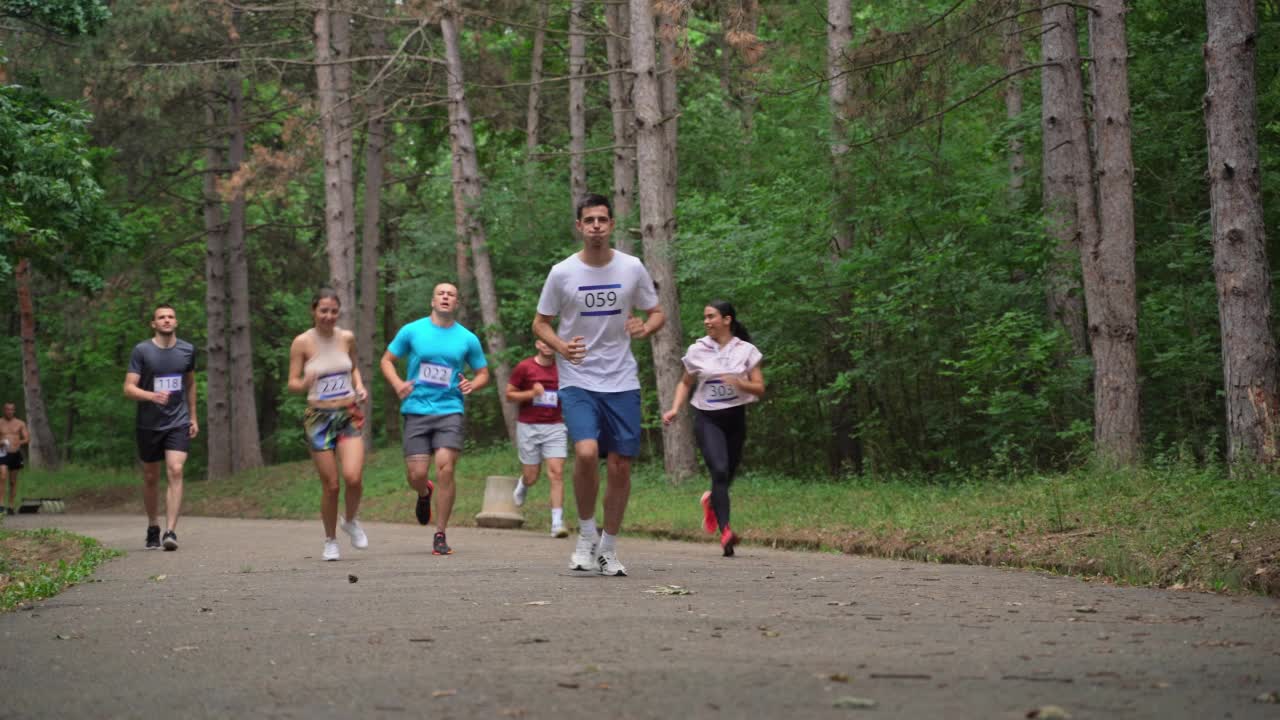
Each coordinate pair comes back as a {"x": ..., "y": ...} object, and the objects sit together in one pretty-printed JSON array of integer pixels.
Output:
[{"x": 332, "y": 366}]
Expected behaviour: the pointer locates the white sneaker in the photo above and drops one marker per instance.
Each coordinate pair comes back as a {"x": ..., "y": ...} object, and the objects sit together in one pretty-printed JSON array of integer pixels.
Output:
[
  {"x": 609, "y": 565},
  {"x": 331, "y": 549},
  {"x": 359, "y": 540},
  {"x": 519, "y": 493},
  {"x": 584, "y": 555},
  {"x": 559, "y": 531}
]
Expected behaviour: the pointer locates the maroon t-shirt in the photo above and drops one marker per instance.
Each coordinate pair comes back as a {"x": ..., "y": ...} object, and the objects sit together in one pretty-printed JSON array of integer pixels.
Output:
[{"x": 545, "y": 409}]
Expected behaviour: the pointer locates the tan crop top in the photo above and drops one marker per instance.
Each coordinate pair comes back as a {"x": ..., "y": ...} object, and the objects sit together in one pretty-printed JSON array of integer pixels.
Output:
[{"x": 331, "y": 365}]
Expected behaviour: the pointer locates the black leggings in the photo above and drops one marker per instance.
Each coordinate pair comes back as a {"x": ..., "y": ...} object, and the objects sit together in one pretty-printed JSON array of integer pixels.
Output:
[{"x": 721, "y": 435}]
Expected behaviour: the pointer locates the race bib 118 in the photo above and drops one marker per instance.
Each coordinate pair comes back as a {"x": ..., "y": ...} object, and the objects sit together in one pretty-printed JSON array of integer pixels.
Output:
[{"x": 168, "y": 383}]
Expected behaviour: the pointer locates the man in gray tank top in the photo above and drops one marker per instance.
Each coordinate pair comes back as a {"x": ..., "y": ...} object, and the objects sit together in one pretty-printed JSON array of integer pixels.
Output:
[{"x": 161, "y": 379}]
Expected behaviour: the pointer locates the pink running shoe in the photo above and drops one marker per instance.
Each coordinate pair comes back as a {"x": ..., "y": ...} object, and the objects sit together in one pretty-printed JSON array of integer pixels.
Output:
[{"x": 708, "y": 514}]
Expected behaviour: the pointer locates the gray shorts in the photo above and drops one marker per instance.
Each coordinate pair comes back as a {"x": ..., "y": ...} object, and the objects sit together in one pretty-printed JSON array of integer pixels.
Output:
[
  {"x": 424, "y": 434},
  {"x": 537, "y": 441}
]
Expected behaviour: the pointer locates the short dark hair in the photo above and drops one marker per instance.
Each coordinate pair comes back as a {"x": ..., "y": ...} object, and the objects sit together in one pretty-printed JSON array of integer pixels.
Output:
[
  {"x": 325, "y": 292},
  {"x": 594, "y": 200},
  {"x": 163, "y": 306}
]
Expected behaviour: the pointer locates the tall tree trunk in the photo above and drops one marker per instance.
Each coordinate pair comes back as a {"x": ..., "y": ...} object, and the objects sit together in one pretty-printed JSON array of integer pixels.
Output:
[
  {"x": 577, "y": 104},
  {"x": 246, "y": 447},
  {"x": 391, "y": 402},
  {"x": 1113, "y": 323},
  {"x": 657, "y": 227},
  {"x": 740, "y": 23},
  {"x": 464, "y": 146},
  {"x": 1012, "y": 59},
  {"x": 340, "y": 252},
  {"x": 340, "y": 30},
  {"x": 535, "y": 79},
  {"x": 1239, "y": 237},
  {"x": 624, "y": 130},
  {"x": 43, "y": 450},
  {"x": 217, "y": 393},
  {"x": 1064, "y": 297},
  {"x": 839, "y": 36},
  {"x": 375, "y": 141},
  {"x": 462, "y": 244}
]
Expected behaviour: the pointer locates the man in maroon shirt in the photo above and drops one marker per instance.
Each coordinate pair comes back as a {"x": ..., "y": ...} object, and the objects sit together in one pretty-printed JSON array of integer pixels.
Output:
[{"x": 540, "y": 431}]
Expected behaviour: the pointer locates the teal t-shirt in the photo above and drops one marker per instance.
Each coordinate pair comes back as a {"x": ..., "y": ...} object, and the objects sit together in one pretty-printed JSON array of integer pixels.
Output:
[{"x": 436, "y": 359}]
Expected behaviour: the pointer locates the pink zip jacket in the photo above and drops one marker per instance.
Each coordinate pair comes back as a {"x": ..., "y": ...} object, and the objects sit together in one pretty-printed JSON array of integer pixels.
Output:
[{"x": 707, "y": 361}]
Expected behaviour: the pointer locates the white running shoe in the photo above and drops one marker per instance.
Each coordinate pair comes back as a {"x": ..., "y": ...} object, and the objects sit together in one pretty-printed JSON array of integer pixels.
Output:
[
  {"x": 331, "y": 549},
  {"x": 359, "y": 540},
  {"x": 584, "y": 555},
  {"x": 609, "y": 565},
  {"x": 519, "y": 493},
  {"x": 559, "y": 531}
]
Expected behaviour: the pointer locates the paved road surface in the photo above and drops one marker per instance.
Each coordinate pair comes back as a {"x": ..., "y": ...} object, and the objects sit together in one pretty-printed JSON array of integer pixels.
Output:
[{"x": 247, "y": 622}]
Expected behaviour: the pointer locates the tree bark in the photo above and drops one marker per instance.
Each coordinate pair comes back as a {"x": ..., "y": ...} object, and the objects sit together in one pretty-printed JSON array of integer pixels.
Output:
[
  {"x": 340, "y": 29},
  {"x": 246, "y": 447},
  {"x": 339, "y": 251},
  {"x": 839, "y": 36},
  {"x": 624, "y": 135},
  {"x": 658, "y": 226},
  {"x": 462, "y": 245},
  {"x": 535, "y": 79},
  {"x": 467, "y": 186},
  {"x": 217, "y": 395},
  {"x": 391, "y": 401},
  {"x": 375, "y": 141},
  {"x": 1012, "y": 57},
  {"x": 1109, "y": 266},
  {"x": 1064, "y": 297},
  {"x": 1240, "y": 263},
  {"x": 43, "y": 450},
  {"x": 577, "y": 105}
]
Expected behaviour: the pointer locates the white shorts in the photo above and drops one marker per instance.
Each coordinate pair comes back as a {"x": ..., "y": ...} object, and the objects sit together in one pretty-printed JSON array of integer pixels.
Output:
[{"x": 537, "y": 442}]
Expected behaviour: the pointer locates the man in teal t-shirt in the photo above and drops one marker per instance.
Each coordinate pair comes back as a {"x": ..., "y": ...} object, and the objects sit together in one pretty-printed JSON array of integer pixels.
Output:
[{"x": 438, "y": 348}]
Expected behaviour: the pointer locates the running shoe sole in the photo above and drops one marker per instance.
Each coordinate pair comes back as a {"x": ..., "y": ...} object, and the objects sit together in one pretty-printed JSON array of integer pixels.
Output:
[
  {"x": 170, "y": 543},
  {"x": 708, "y": 514},
  {"x": 423, "y": 508}
]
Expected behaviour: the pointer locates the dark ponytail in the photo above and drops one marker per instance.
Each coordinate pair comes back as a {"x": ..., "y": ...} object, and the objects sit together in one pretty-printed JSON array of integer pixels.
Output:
[{"x": 725, "y": 308}]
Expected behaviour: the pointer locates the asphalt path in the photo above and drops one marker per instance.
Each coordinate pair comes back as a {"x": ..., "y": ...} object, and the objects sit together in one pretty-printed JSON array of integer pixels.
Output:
[{"x": 245, "y": 620}]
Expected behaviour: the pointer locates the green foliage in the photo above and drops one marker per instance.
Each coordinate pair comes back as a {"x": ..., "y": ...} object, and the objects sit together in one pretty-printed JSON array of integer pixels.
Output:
[
  {"x": 65, "y": 17},
  {"x": 52, "y": 208}
]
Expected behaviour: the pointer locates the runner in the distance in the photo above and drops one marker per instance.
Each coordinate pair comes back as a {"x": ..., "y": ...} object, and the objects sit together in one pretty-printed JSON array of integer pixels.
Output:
[
  {"x": 540, "y": 431},
  {"x": 594, "y": 293},
  {"x": 322, "y": 364},
  {"x": 438, "y": 348},
  {"x": 13, "y": 435},
  {"x": 161, "y": 378},
  {"x": 722, "y": 371}
]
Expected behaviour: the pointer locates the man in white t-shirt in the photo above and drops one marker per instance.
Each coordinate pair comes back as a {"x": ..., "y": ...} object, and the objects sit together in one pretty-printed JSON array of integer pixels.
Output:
[{"x": 594, "y": 293}]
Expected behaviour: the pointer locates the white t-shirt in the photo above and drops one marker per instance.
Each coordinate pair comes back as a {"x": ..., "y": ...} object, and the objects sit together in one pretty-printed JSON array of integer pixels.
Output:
[
  {"x": 595, "y": 302},
  {"x": 707, "y": 361}
]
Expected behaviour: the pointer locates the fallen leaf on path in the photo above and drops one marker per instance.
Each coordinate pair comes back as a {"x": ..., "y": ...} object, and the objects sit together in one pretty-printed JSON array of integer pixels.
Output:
[
  {"x": 669, "y": 590},
  {"x": 840, "y": 603},
  {"x": 421, "y": 640},
  {"x": 568, "y": 685},
  {"x": 443, "y": 693},
  {"x": 1222, "y": 643},
  {"x": 66, "y": 637},
  {"x": 900, "y": 676},
  {"x": 854, "y": 703},
  {"x": 159, "y": 578},
  {"x": 836, "y": 677},
  {"x": 1271, "y": 698},
  {"x": 532, "y": 641},
  {"x": 352, "y": 579},
  {"x": 1086, "y": 610},
  {"x": 539, "y": 602},
  {"x": 1049, "y": 712},
  {"x": 602, "y": 686},
  {"x": 185, "y": 648}
]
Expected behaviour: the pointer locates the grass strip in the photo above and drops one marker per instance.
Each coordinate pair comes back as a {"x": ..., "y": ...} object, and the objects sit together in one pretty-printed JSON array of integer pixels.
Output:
[
  {"x": 38, "y": 564},
  {"x": 1173, "y": 523}
]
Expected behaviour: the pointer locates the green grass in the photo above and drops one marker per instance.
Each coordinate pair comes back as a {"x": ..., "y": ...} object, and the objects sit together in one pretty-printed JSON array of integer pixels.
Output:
[
  {"x": 1168, "y": 524},
  {"x": 23, "y": 580}
]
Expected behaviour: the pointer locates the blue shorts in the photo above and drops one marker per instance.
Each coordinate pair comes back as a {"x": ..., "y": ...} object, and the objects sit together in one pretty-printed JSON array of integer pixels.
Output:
[{"x": 611, "y": 419}]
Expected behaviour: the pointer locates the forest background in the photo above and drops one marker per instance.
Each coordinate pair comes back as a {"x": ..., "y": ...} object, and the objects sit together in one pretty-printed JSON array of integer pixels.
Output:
[{"x": 874, "y": 185}]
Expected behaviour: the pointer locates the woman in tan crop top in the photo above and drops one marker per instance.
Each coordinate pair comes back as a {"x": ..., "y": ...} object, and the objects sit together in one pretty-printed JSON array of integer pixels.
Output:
[{"x": 322, "y": 363}]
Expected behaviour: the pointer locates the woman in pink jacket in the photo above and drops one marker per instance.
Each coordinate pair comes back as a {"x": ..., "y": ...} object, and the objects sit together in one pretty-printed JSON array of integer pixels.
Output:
[{"x": 722, "y": 374}]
